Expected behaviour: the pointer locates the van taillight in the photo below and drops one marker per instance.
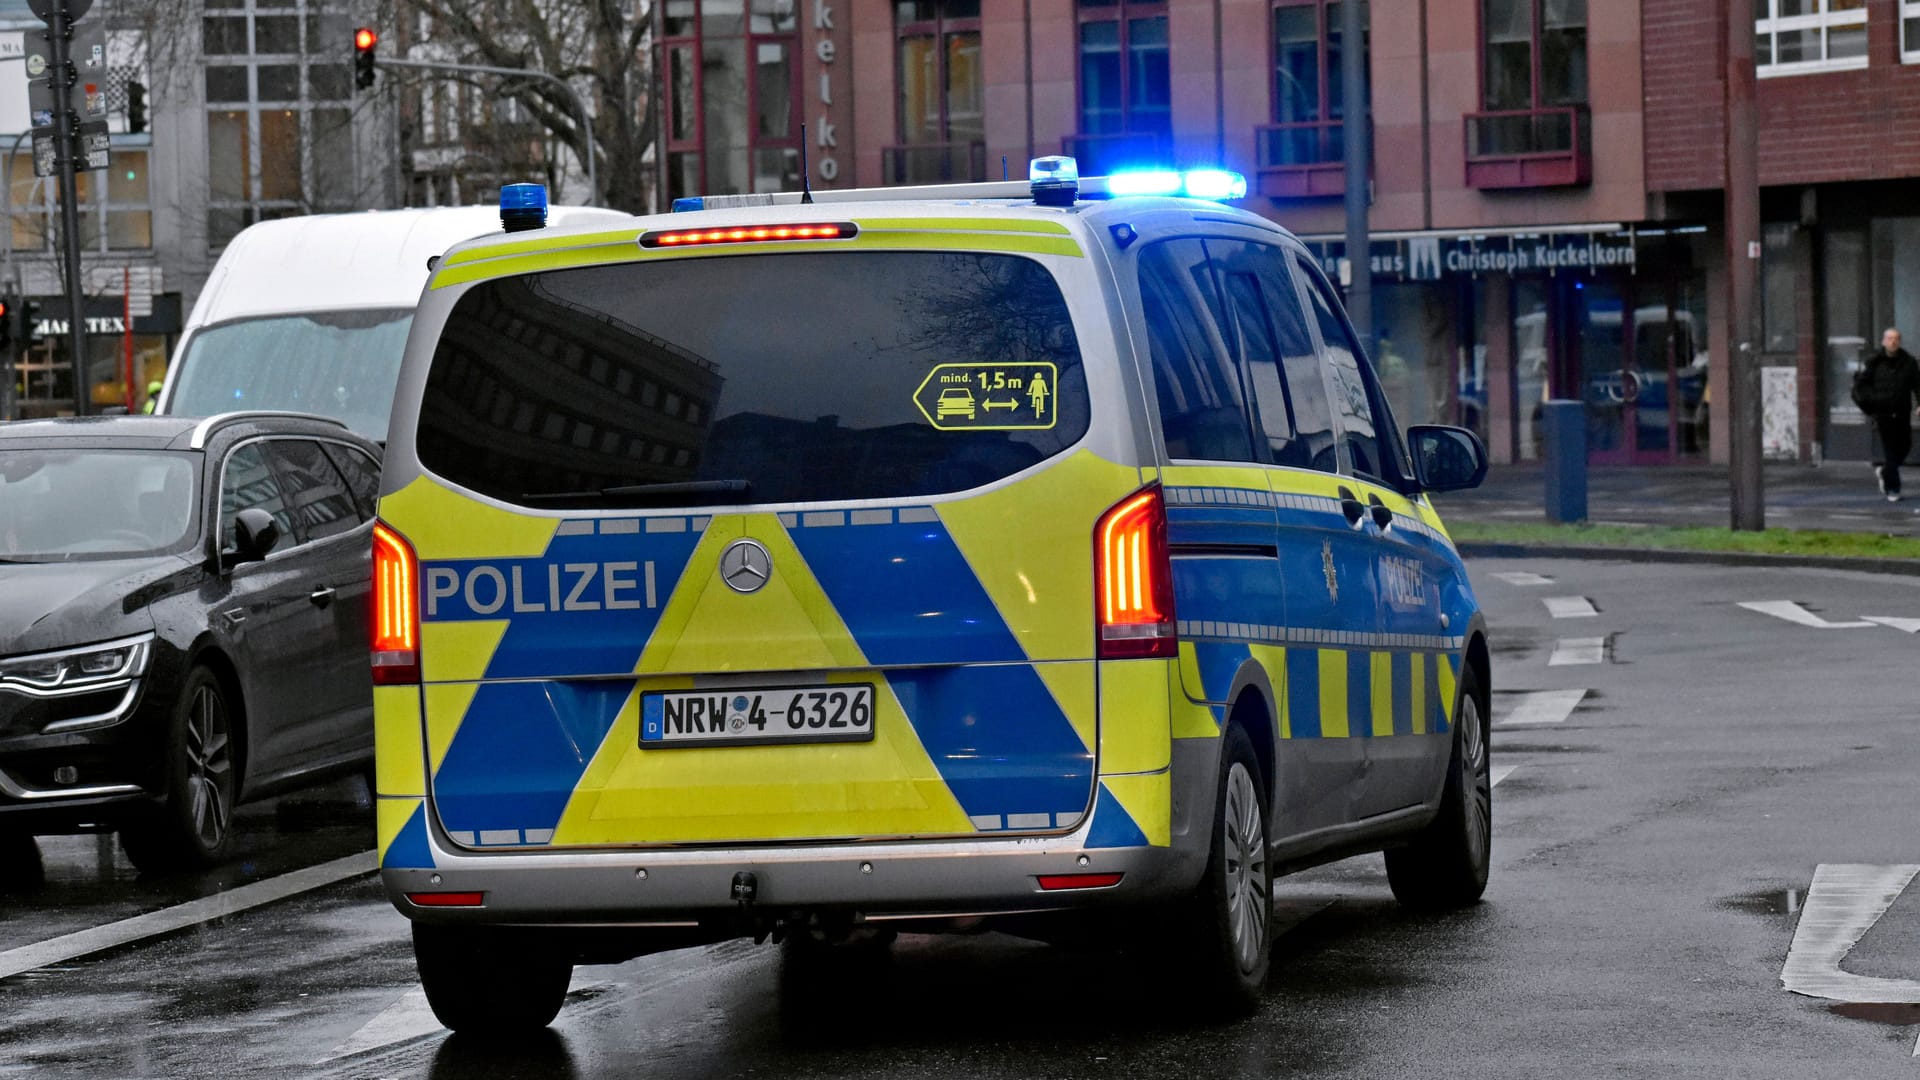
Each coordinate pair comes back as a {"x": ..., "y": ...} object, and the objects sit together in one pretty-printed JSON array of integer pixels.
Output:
[
  {"x": 1134, "y": 579},
  {"x": 396, "y": 609}
]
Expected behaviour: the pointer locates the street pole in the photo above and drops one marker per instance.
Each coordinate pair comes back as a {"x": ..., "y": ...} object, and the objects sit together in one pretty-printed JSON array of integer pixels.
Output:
[
  {"x": 1353, "y": 92},
  {"x": 586, "y": 120},
  {"x": 59, "y": 31},
  {"x": 1748, "y": 496}
]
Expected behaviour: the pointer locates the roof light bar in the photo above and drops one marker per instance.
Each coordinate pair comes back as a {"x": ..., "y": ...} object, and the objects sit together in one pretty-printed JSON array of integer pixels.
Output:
[
  {"x": 1218, "y": 185},
  {"x": 749, "y": 234}
]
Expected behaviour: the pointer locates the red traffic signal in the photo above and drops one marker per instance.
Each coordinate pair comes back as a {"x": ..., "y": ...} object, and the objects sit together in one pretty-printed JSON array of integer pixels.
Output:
[{"x": 364, "y": 39}]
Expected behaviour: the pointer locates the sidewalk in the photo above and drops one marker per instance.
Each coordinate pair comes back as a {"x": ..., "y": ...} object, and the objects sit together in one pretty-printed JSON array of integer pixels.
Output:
[{"x": 1838, "y": 496}]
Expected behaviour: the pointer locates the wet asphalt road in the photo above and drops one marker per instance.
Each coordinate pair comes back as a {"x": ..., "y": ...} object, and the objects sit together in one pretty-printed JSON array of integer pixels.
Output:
[{"x": 1652, "y": 851}]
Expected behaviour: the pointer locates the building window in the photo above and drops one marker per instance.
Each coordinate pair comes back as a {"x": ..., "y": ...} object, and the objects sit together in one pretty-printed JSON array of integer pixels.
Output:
[
  {"x": 1308, "y": 97},
  {"x": 279, "y": 120},
  {"x": 122, "y": 221},
  {"x": 1793, "y": 36},
  {"x": 1534, "y": 53},
  {"x": 732, "y": 96},
  {"x": 1126, "y": 85},
  {"x": 1910, "y": 31},
  {"x": 1533, "y": 130},
  {"x": 942, "y": 121}
]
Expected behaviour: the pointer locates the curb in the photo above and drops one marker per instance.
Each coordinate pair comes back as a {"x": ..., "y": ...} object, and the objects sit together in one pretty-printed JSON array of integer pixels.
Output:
[{"x": 1487, "y": 550}]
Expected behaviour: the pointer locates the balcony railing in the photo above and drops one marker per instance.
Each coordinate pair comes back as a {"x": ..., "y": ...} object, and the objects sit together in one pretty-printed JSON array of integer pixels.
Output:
[
  {"x": 1099, "y": 155},
  {"x": 1529, "y": 148},
  {"x": 934, "y": 163},
  {"x": 1302, "y": 160}
]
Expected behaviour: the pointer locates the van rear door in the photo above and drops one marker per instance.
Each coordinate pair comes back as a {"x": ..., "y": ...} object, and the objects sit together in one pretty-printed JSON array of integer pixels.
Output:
[{"x": 711, "y": 551}]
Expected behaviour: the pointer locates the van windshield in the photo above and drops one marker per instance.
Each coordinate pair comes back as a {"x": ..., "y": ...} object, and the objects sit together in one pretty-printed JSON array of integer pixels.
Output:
[
  {"x": 342, "y": 364},
  {"x": 783, "y": 378}
]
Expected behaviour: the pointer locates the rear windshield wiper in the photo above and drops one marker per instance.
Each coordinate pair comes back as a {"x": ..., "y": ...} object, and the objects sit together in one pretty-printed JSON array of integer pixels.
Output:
[{"x": 690, "y": 491}]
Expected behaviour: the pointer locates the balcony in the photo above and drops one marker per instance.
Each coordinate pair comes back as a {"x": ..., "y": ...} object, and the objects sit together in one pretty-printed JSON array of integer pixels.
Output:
[
  {"x": 934, "y": 163},
  {"x": 1302, "y": 160},
  {"x": 1529, "y": 148},
  {"x": 1100, "y": 155}
]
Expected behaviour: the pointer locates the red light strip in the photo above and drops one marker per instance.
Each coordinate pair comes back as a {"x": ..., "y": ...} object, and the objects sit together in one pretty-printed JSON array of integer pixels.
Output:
[
  {"x": 1059, "y": 882},
  {"x": 749, "y": 234},
  {"x": 446, "y": 899}
]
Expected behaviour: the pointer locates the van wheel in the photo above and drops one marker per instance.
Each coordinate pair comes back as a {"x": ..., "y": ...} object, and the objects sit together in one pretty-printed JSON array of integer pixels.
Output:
[
  {"x": 193, "y": 827},
  {"x": 1228, "y": 946},
  {"x": 1446, "y": 864},
  {"x": 487, "y": 980}
]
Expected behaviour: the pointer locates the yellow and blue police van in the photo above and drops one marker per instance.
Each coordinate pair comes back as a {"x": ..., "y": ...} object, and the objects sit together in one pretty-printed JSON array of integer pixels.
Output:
[{"x": 820, "y": 567}]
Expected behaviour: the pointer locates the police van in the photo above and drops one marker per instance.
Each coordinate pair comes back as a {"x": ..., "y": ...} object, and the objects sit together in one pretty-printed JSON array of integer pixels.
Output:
[{"x": 1034, "y": 555}]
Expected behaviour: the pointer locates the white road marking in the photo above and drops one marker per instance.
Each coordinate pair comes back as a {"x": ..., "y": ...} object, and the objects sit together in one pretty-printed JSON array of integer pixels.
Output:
[
  {"x": 1794, "y": 613},
  {"x": 1843, "y": 903},
  {"x": 1905, "y": 626},
  {"x": 1569, "y": 607},
  {"x": 180, "y": 916},
  {"x": 1579, "y": 650},
  {"x": 1543, "y": 707},
  {"x": 1499, "y": 773},
  {"x": 1523, "y": 578}
]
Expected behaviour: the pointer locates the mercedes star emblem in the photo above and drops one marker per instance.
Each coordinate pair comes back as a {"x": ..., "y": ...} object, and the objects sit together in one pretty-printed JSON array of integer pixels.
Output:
[{"x": 745, "y": 566}]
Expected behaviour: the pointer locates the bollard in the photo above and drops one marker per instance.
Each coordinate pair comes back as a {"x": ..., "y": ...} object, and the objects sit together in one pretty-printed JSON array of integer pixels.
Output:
[{"x": 1565, "y": 426}]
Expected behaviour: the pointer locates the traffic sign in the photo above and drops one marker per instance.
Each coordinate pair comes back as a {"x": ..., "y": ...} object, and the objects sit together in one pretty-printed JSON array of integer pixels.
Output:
[{"x": 43, "y": 9}]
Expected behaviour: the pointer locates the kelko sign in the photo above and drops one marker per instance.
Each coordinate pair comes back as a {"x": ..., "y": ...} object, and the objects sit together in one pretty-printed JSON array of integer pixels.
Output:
[{"x": 829, "y": 77}]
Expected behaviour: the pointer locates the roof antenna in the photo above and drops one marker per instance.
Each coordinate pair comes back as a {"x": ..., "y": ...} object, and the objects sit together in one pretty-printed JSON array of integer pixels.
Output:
[
  {"x": 806, "y": 174},
  {"x": 1003, "y": 166}
]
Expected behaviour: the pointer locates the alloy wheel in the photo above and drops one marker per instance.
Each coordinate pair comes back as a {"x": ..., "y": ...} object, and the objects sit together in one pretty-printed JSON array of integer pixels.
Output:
[
  {"x": 209, "y": 767},
  {"x": 1476, "y": 782},
  {"x": 1244, "y": 843}
]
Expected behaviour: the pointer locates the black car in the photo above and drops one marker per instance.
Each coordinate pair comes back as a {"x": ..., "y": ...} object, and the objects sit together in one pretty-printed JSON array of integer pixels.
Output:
[{"x": 183, "y": 622}]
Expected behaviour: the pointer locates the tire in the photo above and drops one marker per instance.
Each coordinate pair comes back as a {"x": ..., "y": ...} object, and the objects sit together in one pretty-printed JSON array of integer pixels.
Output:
[
  {"x": 21, "y": 870},
  {"x": 193, "y": 827},
  {"x": 1445, "y": 866},
  {"x": 490, "y": 981},
  {"x": 1227, "y": 948}
]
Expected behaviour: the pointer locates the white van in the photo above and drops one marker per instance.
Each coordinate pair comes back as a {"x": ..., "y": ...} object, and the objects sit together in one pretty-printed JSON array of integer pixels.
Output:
[{"x": 310, "y": 314}]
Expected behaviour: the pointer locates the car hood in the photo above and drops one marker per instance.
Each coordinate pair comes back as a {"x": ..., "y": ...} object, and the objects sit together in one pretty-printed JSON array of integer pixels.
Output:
[{"x": 56, "y": 605}]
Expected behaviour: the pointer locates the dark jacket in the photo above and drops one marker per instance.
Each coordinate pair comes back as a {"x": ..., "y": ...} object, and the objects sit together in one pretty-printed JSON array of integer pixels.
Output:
[{"x": 1892, "y": 383}]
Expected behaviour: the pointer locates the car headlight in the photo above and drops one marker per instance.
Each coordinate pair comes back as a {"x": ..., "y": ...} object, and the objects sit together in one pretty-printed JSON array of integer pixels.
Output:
[{"x": 75, "y": 670}]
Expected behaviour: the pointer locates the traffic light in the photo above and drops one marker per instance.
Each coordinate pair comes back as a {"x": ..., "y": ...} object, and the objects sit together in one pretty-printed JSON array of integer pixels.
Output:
[
  {"x": 136, "y": 108},
  {"x": 23, "y": 319},
  {"x": 364, "y": 39},
  {"x": 7, "y": 304}
]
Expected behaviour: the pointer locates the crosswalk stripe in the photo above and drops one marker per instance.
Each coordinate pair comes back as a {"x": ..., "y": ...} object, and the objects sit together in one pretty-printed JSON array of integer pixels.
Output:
[
  {"x": 1794, "y": 613},
  {"x": 1571, "y": 651},
  {"x": 1523, "y": 578},
  {"x": 1569, "y": 607},
  {"x": 1543, "y": 707}
]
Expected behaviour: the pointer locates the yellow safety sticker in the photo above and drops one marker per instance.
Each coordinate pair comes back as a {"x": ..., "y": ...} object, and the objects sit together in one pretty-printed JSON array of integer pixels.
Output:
[{"x": 989, "y": 397}]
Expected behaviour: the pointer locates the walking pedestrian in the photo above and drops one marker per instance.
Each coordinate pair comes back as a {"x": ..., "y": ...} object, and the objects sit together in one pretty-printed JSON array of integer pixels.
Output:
[{"x": 1887, "y": 390}]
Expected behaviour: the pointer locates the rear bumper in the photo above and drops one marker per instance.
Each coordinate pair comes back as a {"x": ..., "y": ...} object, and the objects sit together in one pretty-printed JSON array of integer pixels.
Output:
[{"x": 874, "y": 882}]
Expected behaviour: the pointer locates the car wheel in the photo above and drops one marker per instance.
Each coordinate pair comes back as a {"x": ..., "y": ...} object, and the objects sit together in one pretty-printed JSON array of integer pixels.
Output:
[
  {"x": 20, "y": 867},
  {"x": 1446, "y": 864},
  {"x": 1227, "y": 949},
  {"x": 194, "y": 825},
  {"x": 489, "y": 980}
]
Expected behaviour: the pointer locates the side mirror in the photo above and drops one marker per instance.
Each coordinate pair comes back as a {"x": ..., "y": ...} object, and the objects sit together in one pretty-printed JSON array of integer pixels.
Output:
[
  {"x": 254, "y": 534},
  {"x": 1446, "y": 458}
]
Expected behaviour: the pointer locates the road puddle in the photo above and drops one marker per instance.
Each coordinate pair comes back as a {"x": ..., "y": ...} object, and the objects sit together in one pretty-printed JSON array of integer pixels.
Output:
[
  {"x": 1768, "y": 902},
  {"x": 1896, "y": 1015}
]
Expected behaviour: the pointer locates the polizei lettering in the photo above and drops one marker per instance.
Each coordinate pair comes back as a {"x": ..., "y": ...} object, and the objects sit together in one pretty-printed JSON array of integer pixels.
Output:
[{"x": 483, "y": 590}]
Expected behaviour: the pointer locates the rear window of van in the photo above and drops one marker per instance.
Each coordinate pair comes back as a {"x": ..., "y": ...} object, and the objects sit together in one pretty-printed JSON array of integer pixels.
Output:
[{"x": 796, "y": 377}]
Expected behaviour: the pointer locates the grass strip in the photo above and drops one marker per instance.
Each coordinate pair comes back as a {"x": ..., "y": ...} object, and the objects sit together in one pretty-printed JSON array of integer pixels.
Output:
[{"x": 1858, "y": 545}]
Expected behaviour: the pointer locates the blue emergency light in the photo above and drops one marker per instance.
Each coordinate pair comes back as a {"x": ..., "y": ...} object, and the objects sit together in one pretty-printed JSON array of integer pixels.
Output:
[
  {"x": 1218, "y": 185},
  {"x": 523, "y": 207}
]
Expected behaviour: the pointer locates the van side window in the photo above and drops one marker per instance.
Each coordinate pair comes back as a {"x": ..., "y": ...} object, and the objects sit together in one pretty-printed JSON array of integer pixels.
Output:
[
  {"x": 1349, "y": 387},
  {"x": 1269, "y": 332},
  {"x": 1202, "y": 406}
]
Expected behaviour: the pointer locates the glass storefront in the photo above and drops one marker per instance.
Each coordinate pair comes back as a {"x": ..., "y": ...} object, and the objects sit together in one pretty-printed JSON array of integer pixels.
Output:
[{"x": 44, "y": 378}]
